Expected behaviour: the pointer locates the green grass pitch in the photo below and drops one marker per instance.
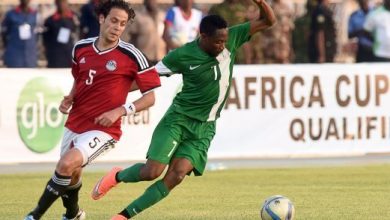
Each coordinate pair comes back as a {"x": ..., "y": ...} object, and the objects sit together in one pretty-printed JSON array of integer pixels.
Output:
[{"x": 329, "y": 193}]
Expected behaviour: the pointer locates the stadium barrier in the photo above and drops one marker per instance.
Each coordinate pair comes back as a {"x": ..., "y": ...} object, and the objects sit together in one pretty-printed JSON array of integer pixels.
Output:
[{"x": 271, "y": 111}]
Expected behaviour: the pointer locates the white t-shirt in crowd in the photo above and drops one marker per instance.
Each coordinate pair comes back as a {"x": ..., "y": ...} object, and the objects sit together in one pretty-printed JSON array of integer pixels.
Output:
[{"x": 378, "y": 23}]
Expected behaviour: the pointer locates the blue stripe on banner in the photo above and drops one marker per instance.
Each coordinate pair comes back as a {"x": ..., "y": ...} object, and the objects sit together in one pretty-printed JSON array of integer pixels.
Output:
[{"x": 289, "y": 215}]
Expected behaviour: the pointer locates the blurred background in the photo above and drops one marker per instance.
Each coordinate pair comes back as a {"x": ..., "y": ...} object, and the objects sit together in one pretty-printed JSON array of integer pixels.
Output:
[{"x": 287, "y": 42}]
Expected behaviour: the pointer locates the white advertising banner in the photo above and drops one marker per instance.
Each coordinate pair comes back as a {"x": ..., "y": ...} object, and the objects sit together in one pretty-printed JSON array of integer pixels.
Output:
[
  {"x": 31, "y": 126},
  {"x": 306, "y": 110},
  {"x": 271, "y": 111}
]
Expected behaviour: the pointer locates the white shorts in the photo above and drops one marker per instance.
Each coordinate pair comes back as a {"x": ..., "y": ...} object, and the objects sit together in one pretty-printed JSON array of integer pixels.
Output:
[{"x": 91, "y": 144}]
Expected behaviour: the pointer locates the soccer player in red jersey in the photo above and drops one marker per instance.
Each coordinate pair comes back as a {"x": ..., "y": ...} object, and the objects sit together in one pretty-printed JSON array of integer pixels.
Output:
[{"x": 104, "y": 69}]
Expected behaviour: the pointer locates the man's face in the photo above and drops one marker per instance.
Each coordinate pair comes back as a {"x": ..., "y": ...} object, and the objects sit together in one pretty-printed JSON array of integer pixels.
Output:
[
  {"x": 325, "y": 2},
  {"x": 214, "y": 45},
  {"x": 25, "y": 2},
  {"x": 185, "y": 3},
  {"x": 113, "y": 25},
  {"x": 62, "y": 5},
  {"x": 150, "y": 4}
]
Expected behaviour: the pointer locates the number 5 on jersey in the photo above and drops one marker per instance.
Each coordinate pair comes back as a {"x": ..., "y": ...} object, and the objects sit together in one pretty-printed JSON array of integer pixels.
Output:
[{"x": 91, "y": 74}]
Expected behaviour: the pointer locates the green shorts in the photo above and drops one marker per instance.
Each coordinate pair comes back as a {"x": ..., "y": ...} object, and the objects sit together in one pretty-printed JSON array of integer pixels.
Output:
[{"x": 179, "y": 136}]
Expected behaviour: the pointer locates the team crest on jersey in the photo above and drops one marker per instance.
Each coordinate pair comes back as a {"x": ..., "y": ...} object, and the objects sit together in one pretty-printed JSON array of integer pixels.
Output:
[{"x": 111, "y": 65}]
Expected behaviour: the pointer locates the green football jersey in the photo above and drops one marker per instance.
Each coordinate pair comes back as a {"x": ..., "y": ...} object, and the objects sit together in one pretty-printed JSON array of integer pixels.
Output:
[{"x": 206, "y": 79}]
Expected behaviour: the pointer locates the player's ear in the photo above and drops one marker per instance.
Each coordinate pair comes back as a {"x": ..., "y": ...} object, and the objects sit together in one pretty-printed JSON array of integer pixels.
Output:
[{"x": 101, "y": 19}]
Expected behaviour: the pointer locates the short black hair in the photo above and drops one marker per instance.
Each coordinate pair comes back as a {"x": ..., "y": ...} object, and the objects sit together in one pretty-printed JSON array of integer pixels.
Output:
[
  {"x": 104, "y": 7},
  {"x": 211, "y": 23}
]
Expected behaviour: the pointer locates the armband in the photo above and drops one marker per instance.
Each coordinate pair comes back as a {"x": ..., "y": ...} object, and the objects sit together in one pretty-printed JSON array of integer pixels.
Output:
[{"x": 130, "y": 108}]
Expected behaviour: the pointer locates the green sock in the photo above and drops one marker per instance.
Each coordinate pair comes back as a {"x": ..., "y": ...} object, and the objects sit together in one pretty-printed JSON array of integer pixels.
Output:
[
  {"x": 130, "y": 174},
  {"x": 156, "y": 192}
]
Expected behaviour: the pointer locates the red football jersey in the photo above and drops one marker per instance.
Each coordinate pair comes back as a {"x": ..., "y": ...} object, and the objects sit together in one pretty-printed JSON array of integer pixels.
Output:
[{"x": 103, "y": 80}]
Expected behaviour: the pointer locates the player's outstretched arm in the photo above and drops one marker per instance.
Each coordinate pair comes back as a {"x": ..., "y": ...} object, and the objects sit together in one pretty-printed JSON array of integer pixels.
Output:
[
  {"x": 147, "y": 100},
  {"x": 108, "y": 118},
  {"x": 267, "y": 17}
]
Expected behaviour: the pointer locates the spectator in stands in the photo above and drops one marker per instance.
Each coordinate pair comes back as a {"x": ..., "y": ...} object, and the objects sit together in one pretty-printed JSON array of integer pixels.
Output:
[
  {"x": 59, "y": 36},
  {"x": 322, "y": 39},
  {"x": 378, "y": 25},
  {"x": 181, "y": 24},
  {"x": 300, "y": 34},
  {"x": 234, "y": 12},
  {"x": 89, "y": 24},
  {"x": 277, "y": 40},
  {"x": 146, "y": 31},
  {"x": 20, "y": 37},
  {"x": 253, "y": 50},
  {"x": 356, "y": 30}
]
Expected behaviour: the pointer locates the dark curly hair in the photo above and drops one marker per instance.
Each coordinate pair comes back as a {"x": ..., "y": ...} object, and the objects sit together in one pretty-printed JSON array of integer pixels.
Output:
[
  {"x": 211, "y": 23},
  {"x": 105, "y": 7}
]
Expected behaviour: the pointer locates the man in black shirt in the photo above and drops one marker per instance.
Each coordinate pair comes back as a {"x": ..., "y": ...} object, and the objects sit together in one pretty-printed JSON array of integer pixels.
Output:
[
  {"x": 322, "y": 39},
  {"x": 58, "y": 36}
]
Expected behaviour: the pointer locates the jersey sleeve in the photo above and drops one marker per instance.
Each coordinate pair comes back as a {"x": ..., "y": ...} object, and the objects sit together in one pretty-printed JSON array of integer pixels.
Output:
[
  {"x": 170, "y": 63},
  {"x": 170, "y": 17},
  {"x": 146, "y": 76},
  {"x": 147, "y": 80},
  {"x": 238, "y": 35},
  {"x": 75, "y": 64},
  {"x": 139, "y": 58},
  {"x": 163, "y": 70}
]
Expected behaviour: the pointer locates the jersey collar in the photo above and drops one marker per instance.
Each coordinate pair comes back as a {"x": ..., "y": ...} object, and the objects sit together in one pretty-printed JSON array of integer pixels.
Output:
[{"x": 104, "y": 51}]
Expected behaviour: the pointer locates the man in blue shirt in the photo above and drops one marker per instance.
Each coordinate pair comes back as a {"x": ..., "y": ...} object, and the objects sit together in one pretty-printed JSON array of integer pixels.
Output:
[
  {"x": 355, "y": 29},
  {"x": 19, "y": 36},
  {"x": 89, "y": 24}
]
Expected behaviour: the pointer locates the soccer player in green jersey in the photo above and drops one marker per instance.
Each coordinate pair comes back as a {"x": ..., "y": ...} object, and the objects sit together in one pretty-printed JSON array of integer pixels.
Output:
[{"x": 183, "y": 136}]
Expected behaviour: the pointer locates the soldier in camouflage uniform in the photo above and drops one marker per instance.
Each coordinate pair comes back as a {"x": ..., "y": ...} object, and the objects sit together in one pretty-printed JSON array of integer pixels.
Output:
[
  {"x": 254, "y": 53},
  {"x": 300, "y": 35},
  {"x": 277, "y": 40},
  {"x": 232, "y": 11}
]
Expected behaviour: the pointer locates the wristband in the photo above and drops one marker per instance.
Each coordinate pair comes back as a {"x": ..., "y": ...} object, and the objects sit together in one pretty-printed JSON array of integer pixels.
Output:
[{"x": 130, "y": 108}]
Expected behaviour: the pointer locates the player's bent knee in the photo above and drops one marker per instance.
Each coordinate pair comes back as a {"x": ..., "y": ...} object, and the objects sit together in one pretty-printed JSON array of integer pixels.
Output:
[
  {"x": 175, "y": 177},
  {"x": 152, "y": 174},
  {"x": 66, "y": 167},
  {"x": 63, "y": 167}
]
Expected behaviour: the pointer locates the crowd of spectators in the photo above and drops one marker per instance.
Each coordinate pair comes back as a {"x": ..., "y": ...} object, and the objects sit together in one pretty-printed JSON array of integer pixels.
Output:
[{"x": 44, "y": 35}]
